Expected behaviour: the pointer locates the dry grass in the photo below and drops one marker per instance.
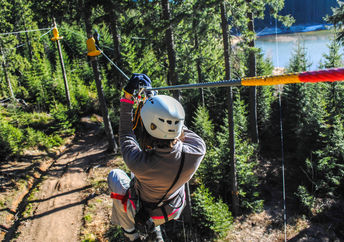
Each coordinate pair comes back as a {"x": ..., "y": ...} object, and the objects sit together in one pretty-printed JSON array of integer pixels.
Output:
[
  {"x": 264, "y": 226},
  {"x": 97, "y": 212}
]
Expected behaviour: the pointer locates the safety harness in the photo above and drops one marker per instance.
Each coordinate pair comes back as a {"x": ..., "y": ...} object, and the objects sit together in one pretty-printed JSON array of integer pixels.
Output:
[
  {"x": 160, "y": 204},
  {"x": 144, "y": 224}
]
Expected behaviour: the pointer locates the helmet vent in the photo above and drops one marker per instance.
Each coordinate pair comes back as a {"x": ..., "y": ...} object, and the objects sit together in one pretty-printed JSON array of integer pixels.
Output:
[
  {"x": 163, "y": 117},
  {"x": 153, "y": 126}
]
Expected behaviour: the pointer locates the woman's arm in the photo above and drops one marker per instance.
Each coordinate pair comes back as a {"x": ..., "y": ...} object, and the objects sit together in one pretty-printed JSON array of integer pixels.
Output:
[
  {"x": 193, "y": 144},
  {"x": 132, "y": 154}
]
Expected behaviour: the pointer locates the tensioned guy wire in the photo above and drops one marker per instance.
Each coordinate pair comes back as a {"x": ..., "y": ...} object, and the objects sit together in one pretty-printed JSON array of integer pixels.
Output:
[
  {"x": 24, "y": 31},
  {"x": 277, "y": 54},
  {"x": 46, "y": 33},
  {"x": 282, "y": 142},
  {"x": 283, "y": 176},
  {"x": 18, "y": 46}
]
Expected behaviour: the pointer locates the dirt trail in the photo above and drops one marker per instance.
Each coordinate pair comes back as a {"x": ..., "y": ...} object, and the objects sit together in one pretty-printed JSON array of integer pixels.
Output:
[{"x": 57, "y": 208}]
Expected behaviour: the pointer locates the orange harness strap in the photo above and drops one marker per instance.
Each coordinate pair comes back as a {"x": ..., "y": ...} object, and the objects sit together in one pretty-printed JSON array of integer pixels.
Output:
[{"x": 123, "y": 198}]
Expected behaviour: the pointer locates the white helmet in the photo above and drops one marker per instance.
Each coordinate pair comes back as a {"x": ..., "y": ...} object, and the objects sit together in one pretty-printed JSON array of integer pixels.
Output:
[{"x": 163, "y": 117}]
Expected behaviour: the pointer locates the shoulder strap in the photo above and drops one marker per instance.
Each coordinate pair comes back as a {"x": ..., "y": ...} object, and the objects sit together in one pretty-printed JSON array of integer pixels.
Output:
[{"x": 175, "y": 180}]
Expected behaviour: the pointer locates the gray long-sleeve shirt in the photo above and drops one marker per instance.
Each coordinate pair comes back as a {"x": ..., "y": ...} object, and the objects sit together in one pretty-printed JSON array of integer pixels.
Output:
[{"x": 157, "y": 170}]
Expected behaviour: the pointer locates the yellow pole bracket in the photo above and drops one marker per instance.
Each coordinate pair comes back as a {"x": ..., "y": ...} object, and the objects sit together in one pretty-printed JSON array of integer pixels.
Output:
[
  {"x": 56, "y": 35},
  {"x": 91, "y": 47}
]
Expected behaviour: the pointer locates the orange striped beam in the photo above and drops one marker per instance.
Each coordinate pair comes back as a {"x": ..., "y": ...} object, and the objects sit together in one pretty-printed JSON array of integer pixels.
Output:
[{"x": 329, "y": 75}]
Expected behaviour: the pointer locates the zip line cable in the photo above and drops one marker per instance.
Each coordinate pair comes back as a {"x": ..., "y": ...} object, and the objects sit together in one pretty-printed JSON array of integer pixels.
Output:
[
  {"x": 107, "y": 47},
  {"x": 24, "y": 31},
  {"x": 18, "y": 46},
  {"x": 119, "y": 69},
  {"x": 71, "y": 31},
  {"x": 226, "y": 83}
]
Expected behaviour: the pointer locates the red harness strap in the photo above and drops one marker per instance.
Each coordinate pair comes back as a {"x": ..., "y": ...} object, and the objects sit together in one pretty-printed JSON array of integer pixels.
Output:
[{"x": 123, "y": 198}]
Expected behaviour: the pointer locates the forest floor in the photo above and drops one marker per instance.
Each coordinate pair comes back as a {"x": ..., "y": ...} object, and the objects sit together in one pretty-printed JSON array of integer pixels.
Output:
[
  {"x": 59, "y": 196},
  {"x": 326, "y": 222},
  {"x": 63, "y": 196}
]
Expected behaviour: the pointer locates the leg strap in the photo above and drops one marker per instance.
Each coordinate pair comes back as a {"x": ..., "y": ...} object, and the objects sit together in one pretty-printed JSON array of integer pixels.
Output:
[
  {"x": 163, "y": 210},
  {"x": 123, "y": 198}
]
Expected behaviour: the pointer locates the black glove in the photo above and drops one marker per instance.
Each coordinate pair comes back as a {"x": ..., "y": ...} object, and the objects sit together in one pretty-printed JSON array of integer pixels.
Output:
[{"x": 136, "y": 81}]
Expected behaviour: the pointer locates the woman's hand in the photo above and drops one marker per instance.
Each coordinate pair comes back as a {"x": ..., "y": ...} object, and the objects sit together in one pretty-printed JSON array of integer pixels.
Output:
[{"x": 135, "y": 82}]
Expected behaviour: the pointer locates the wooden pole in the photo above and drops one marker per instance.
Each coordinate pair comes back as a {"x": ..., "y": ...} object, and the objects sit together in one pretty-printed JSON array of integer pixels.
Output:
[
  {"x": 234, "y": 184},
  {"x": 63, "y": 72},
  {"x": 188, "y": 209},
  {"x": 252, "y": 68},
  {"x": 196, "y": 46},
  {"x": 112, "y": 145},
  {"x": 172, "y": 76}
]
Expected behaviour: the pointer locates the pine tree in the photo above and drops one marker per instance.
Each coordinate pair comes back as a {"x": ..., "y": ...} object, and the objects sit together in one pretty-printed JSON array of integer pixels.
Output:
[
  {"x": 299, "y": 60},
  {"x": 337, "y": 19},
  {"x": 265, "y": 95},
  {"x": 9, "y": 59},
  {"x": 327, "y": 165},
  {"x": 215, "y": 169},
  {"x": 302, "y": 109},
  {"x": 203, "y": 126},
  {"x": 334, "y": 59}
]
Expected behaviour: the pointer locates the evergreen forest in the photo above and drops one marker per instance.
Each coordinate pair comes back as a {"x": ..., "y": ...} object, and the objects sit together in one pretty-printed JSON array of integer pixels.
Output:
[{"x": 259, "y": 140}]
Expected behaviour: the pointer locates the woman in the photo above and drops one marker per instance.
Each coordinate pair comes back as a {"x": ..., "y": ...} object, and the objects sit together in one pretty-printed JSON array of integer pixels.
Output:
[{"x": 168, "y": 157}]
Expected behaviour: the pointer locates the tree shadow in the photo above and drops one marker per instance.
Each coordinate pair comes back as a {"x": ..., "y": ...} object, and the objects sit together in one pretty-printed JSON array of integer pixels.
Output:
[
  {"x": 13, "y": 171},
  {"x": 24, "y": 167},
  {"x": 84, "y": 201},
  {"x": 61, "y": 194},
  {"x": 73, "y": 160},
  {"x": 326, "y": 226},
  {"x": 271, "y": 189},
  {"x": 11, "y": 231},
  {"x": 8, "y": 210}
]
